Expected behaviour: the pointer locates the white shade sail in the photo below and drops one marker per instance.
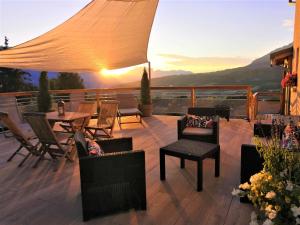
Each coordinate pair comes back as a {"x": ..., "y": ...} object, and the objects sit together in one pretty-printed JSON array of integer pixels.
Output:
[{"x": 108, "y": 34}]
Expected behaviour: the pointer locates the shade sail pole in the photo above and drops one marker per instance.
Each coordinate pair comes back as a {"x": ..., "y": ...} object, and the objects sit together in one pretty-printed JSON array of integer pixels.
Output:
[
  {"x": 149, "y": 77},
  {"x": 149, "y": 72}
]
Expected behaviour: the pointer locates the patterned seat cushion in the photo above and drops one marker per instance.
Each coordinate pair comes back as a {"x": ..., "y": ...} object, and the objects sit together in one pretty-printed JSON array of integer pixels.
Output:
[
  {"x": 197, "y": 131},
  {"x": 199, "y": 121}
]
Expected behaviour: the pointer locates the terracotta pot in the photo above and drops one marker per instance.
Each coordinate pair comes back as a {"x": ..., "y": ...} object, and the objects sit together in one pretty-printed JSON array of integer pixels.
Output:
[{"x": 146, "y": 110}]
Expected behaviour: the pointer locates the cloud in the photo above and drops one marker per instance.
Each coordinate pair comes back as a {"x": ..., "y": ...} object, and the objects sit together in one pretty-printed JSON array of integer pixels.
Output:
[{"x": 202, "y": 64}]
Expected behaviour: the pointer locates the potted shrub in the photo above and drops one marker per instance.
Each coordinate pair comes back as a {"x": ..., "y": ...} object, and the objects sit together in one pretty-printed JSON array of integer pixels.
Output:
[
  {"x": 146, "y": 103},
  {"x": 44, "y": 98}
]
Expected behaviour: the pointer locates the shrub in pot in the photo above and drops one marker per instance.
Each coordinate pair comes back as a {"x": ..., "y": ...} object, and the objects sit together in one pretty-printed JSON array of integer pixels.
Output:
[
  {"x": 146, "y": 103},
  {"x": 44, "y": 98}
]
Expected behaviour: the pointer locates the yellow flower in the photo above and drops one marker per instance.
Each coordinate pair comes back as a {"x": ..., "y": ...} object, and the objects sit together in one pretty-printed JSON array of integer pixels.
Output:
[
  {"x": 270, "y": 195},
  {"x": 272, "y": 214},
  {"x": 268, "y": 208},
  {"x": 245, "y": 186}
]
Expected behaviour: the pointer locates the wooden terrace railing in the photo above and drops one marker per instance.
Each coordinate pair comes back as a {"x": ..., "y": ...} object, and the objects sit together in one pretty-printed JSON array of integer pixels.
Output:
[{"x": 166, "y": 100}]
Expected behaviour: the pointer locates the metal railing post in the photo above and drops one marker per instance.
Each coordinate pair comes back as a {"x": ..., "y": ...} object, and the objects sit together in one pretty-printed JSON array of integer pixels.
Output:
[{"x": 249, "y": 103}]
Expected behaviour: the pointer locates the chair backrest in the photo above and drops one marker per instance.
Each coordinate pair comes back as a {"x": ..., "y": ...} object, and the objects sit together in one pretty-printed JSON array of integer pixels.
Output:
[
  {"x": 11, "y": 125},
  {"x": 108, "y": 112},
  {"x": 85, "y": 107},
  {"x": 127, "y": 100},
  {"x": 41, "y": 127},
  {"x": 199, "y": 111}
]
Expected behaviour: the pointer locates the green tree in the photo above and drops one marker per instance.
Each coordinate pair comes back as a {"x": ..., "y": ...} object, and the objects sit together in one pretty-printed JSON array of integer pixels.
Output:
[
  {"x": 5, "y": 42},
  {"x": 67, "y": 81},
  {"x": 44, "y": 98},
  {"x": 145, "y": 89},
  {"x": 12, "y": 80}
]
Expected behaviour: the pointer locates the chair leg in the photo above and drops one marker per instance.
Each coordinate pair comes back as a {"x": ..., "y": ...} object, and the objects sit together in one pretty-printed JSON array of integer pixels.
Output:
[
  {"x": 15, "y": 153},
  {"x": 141, "y": 121},
  {"x": 119, "y": 121},
  {"x": 25, "y": 158},
  {"x": 43, "y": 152}
]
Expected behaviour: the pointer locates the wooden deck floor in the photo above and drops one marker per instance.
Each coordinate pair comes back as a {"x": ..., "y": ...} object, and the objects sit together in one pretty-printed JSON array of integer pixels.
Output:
[{"x": 41, "y": 196}]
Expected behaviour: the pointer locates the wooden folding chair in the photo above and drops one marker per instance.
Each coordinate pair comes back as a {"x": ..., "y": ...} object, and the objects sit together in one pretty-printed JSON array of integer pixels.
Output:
[
  {"x": 106, "y": 120},
  {"x": 48, "y": 139},
  {"x": 128, "y": 106},
  {"x": 20, "y": 137},
  {"x": 84, "y": 107}
]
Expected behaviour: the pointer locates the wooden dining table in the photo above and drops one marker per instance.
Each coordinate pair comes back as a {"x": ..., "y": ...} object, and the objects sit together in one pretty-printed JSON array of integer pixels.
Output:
[{"x": 69, "y": 118}]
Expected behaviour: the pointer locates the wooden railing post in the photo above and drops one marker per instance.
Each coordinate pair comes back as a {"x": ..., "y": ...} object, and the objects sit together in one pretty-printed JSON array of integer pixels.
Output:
[{"x": 193, "y": 97}]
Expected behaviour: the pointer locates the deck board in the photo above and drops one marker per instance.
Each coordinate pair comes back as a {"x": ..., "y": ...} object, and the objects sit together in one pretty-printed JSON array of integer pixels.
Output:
[{"x": 41, "y": 196}]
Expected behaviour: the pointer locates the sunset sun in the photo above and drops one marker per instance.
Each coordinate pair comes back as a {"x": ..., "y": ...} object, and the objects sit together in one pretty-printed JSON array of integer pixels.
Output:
[{"x": 116, "y": 72}]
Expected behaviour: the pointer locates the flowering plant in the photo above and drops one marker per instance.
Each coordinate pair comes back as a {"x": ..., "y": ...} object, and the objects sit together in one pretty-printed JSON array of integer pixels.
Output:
[
  {"x": 290, "y": 79},
  {"x": 274, "y": 191}
]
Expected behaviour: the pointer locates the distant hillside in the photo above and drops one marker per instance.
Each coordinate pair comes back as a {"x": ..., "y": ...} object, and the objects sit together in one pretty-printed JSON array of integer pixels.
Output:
[{"x": 259, "y": 74}]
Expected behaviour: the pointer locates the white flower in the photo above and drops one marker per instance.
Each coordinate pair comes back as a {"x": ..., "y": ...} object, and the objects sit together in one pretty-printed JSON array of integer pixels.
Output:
[
  {"x": 253, "y": 219},
  {"x": 270, "y": 195},
  {"x": 298, "y": 221},
  {"x": 289, "y": 186},
  {"x": 295, "y": 210},
  {"x": 272, "y": 214},
  {"x": 268, "y": 222},
  {"x": 254, "y": 222},
  {"x": 236, "y": 192},
  {"x": 253, "y": 216},
  {"x": 283, "y": 173}
]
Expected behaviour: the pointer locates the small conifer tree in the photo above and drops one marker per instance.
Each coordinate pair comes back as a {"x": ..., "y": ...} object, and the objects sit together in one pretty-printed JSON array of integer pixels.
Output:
[
  {"x": 145, "y": 89},
  {"x": 44, "y": 98}
]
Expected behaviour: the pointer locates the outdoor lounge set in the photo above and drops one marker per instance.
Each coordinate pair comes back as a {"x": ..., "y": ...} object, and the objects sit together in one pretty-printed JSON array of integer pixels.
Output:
[{"x": 115, "y": 179}]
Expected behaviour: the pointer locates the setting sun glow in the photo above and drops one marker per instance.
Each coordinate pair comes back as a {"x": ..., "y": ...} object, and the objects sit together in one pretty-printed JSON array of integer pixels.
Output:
[{"x": 116, "y": 72}]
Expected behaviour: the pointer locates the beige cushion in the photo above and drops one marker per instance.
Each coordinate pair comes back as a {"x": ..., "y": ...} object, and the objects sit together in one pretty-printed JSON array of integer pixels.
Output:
[
  {"x": 197, "y": 131},
  {"x": 129, "y": 112}
]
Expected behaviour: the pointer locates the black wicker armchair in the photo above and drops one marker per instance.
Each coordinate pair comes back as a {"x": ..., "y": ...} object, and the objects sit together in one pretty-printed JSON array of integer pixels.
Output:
[
  {"x": 199, "y": 134},
  {"x": 112, "y": 182},
  {"x": 251, "y": 163}
]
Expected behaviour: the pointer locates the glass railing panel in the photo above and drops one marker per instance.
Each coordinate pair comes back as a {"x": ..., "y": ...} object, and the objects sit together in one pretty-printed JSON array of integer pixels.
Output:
[
  {"x": 170, "y": 101},
  {"x": 236, "y": 100},
  {"x": 268, "y": 105}
]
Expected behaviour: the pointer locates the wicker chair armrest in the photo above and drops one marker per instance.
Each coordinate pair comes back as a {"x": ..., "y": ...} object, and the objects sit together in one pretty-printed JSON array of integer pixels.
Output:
[
  {"x": 116, "y": 144},
  {"x": 181, "y": 124},
  {"x": 216, "y": 129}
]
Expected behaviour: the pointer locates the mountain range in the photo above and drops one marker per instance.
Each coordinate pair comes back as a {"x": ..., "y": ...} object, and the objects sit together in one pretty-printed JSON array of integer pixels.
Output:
[{"x": 259, "y": 74}]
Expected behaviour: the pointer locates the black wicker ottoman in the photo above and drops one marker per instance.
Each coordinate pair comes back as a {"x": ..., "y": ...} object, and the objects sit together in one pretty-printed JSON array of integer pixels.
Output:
[{"x": 191, "y": 150}]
